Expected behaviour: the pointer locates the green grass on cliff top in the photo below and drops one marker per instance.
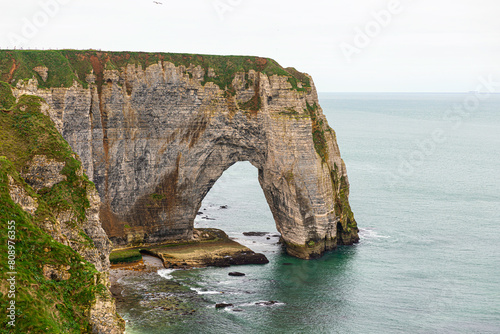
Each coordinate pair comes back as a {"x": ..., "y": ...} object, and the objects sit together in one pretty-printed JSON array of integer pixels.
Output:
[
  {"x": 42, "y": 305},
  {"x": 68, "y": 65}
]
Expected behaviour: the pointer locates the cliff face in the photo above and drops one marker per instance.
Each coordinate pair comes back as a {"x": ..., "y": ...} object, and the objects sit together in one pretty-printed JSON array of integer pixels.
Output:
[
  {"x": 61, "y": 250},
  {"x": 155, "y": 132}
]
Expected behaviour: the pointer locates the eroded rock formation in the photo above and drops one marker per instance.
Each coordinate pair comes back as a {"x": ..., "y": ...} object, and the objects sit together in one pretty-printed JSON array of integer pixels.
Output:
[{"x": 155, "y": 132}]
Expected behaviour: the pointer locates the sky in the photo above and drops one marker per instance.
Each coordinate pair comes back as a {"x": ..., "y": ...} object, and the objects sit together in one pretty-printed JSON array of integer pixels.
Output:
[{"x": 347, "y": 46}]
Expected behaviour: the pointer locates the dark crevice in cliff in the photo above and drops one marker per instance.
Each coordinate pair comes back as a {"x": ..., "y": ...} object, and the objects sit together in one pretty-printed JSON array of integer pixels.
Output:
[
  {"x": 255, "y": 103},
  {"x": 340, "y": 232},
  {"x": 91, "y": 113},
  {"x": 98, "y": 67},
  {"x": 128, "y": 87},
  {"x": 196, "y": 128}
]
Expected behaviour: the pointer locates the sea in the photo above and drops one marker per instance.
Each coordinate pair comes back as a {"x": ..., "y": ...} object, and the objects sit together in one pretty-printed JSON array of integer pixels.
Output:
[{"x": 424, "y": 170}]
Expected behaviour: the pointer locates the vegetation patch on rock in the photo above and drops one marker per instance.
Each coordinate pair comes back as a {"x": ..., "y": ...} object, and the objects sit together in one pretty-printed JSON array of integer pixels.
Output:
[{"x": 125, "y": 256}]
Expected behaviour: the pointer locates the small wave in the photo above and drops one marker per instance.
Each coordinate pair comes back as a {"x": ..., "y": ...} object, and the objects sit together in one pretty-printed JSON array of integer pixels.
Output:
[
  {"x": 225, "y": 282},
  {"x": 165, "y": 273},
  {"x": 233, "y": 310},
  {"x": 263, "y": 303},
  {"x": 370, "y": 233},
  {"x": 203, "y": 292}
]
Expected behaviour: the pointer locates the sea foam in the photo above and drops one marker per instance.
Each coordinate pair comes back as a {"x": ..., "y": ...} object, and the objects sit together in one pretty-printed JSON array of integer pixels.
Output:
[{"x": 165, "y": 273}]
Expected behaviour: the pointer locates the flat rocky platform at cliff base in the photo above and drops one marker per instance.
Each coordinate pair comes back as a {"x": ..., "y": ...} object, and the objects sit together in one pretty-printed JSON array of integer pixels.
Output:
[
  {"x": 210, "y": 247},
  {"x": 66, "y": 66}
]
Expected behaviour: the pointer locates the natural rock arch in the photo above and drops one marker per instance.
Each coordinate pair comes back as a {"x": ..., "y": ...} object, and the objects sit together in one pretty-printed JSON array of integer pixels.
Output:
[{"x": 155, "y": 140}]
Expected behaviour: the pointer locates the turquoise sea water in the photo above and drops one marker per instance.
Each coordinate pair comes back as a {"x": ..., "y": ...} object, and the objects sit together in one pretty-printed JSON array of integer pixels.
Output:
[{"x": 425, "y": 191}]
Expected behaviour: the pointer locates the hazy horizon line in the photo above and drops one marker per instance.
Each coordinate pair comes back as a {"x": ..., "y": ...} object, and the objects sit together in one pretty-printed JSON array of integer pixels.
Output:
[{"x": 406, "y": 92}]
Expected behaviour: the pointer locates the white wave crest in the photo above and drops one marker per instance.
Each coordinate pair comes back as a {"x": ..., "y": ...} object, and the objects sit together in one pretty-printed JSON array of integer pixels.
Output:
[
  {"x": 203, "y": 292},
  {"x": 165, "y": 273}
]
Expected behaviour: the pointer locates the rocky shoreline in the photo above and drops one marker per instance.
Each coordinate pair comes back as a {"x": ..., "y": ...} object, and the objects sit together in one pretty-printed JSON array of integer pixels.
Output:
[
  {"x": 141, "y": 292},
  {"x": 148, "y": 264},
  {"x": 209, "y": 247}
]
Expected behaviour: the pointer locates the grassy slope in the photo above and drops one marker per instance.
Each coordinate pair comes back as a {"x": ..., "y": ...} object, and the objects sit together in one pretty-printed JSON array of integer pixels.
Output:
[
  {"x": 43, "y": 305},
  {"x": 6, "y": 98},
  {"x": 68, "y": 65}
]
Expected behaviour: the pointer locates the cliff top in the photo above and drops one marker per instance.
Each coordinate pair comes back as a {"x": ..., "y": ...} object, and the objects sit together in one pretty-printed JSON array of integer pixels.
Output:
[{"x": 65, "y": 66}]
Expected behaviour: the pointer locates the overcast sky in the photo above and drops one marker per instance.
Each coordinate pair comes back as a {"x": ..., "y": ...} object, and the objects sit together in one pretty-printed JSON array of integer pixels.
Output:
[{"x": 346, "y": 45}]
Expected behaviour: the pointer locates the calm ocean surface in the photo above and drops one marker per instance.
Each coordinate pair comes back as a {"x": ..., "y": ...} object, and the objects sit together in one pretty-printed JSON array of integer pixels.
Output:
[{"x": 425, "y": 191}]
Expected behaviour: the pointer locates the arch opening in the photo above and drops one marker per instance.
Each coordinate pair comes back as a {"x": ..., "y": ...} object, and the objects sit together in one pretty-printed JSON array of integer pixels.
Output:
[{"x": 236, "y": 204}]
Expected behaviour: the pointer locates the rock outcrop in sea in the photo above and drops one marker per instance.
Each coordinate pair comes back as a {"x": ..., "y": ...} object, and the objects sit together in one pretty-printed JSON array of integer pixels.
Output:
[{"x": 155, "y": 131}]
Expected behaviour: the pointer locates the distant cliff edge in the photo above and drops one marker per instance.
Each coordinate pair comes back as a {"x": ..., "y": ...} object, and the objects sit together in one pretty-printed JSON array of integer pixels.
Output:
[{"x": 155, "y": 131}]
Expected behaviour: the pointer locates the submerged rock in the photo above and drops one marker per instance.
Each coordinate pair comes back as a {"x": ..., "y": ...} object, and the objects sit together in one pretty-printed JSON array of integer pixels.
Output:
[
  {"x": 236, "y": 273},
  {"x": 223, "y": 305},
  {"x": 269, "y": 303},
  {"x": 255, "y": 234}
]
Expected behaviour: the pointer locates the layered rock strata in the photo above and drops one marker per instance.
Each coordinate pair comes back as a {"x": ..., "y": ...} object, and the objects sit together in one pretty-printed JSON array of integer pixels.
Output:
[{"x": 154, "y": 136}]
